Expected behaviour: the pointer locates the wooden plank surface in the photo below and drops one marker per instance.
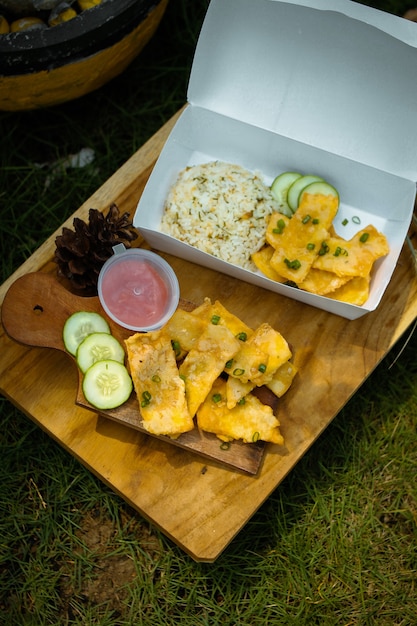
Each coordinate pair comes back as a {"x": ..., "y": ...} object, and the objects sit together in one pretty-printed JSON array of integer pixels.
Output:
[{"x": 200, "y": 504}]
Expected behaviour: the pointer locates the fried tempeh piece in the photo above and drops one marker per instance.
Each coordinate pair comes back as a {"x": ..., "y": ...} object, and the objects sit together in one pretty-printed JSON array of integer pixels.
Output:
[
  {"x": 158, "y": 386},
  {"x": 183, "y": 329},
  {"x": 262, "y": 260},
  {"x": 249, "y": 421},
  {"x": 205, "y": 362},
  {"x": 355, "y": 291},
  {"x": 236, "y": 390},
  {"x": 260, "y": 356},
  {"x": 275, "y": 229},
  {"x": 301, "y": 239},
  {"x": 216, "y": 313},
  {"x": 356, "y": 256},
  {"x": 282, "y": 379},
  {"x": 322, "y": 282}
]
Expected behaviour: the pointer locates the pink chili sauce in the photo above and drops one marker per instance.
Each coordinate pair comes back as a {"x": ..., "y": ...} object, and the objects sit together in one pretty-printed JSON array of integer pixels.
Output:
[{"x": 135, "y": 293}]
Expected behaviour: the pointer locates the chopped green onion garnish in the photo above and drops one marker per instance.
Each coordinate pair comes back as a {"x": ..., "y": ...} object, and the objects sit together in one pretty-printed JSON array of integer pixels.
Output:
[
  {"x": 156, "y": 379},
  {"x": 292, "y": 265},
  {"x": 242, "y": 336},
  {"x": 255, "y": 437},
  {"x": 364, "y": 237},
  {"x": 316, "y": 220},
  {"x": 215, "y": 319},
  {"x": 242, "y": 401},
  {"x": 356, "y": 219},
  {"x": 279, "y": 227},
  {"x": 238, "y": 372},
  {"x": 229, "y": 364},
  {"x": 306, "y": 219},
  {"x": 262, "y": 368},
  {"x": 311, "y": 246},
  {"x": 216, "y": 397},
  {"x": 324, "y": 248},
  {"x": 146, "y": 398},
  {"x": 345, "y": 221},
  {"x": 340, "y": 251},
  {"x": 225, "y": 445},
  {"x": 176, "y": 347}
]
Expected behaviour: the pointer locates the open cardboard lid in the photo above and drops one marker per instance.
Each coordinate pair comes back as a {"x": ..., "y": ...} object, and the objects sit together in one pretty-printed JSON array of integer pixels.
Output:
[{"x": 329, "y": 73}]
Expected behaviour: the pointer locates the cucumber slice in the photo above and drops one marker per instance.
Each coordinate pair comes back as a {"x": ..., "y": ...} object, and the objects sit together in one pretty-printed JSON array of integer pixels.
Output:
[
  {"x": 279, "y": 190},
  {"x": 81, "y": 324},
  {"x": 99, "y": 347},
  {"x": 320, "y": 187},
  {"x": 297, "y": 187},
  {"x": 107, "y": 384}
]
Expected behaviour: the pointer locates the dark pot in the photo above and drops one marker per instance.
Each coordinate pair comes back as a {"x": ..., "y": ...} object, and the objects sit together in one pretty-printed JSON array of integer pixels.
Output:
[{"x": 44, "y": 67}]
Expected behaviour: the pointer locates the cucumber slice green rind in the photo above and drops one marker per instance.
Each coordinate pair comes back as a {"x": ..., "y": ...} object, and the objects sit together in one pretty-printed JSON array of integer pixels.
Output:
[
  {"x": 107, "y": 384},
  {"x": 279, "y": 190},
  {"x": 296, "y": 188},
  {"x": 99, "y": 347},
  {"x": 320, "y": 187},
  {"x": 79, "y": 325}
]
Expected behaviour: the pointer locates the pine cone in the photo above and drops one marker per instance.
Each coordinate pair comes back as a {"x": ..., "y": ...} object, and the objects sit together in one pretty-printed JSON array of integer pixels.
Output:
[{"x": 81, "y": 253}]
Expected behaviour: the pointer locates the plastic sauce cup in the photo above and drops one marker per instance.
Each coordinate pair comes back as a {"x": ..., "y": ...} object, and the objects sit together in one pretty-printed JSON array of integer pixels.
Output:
[{"x": 138, "y": 289}]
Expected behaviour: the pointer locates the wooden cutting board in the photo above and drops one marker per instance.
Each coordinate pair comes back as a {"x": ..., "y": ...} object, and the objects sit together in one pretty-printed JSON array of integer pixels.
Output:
[
  {"x": 34, "y": 312},
  {"x": 199, "y": 503}
]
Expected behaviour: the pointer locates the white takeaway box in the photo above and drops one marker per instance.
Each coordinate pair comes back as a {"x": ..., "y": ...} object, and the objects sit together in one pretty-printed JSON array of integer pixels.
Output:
[{"x": 317, "y": 86}]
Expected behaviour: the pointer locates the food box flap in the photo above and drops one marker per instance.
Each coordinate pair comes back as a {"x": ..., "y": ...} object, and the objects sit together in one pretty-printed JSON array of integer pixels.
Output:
[{"x": 331, "y": 74}]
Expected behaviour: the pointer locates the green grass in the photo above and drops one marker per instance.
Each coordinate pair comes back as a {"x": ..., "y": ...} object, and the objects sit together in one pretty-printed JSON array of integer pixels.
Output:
[
  {"x": 335, "y": 544},
  {"x": 114, "y": 121}
]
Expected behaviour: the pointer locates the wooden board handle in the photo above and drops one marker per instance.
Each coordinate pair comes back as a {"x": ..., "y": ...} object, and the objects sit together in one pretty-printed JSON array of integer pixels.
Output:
[{"x": 35, "y": 309}]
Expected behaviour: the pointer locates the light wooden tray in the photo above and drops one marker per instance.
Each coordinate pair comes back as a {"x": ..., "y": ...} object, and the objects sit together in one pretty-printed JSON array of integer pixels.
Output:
[{"x": 199, "y": 503}]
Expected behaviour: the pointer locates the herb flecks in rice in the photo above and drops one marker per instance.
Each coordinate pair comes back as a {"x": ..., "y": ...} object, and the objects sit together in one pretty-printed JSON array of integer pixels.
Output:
[{"x": 221, "y": 209}]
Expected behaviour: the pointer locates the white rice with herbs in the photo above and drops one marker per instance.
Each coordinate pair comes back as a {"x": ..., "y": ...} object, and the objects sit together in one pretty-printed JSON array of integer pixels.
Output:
[{"x": 221, "y": 209}]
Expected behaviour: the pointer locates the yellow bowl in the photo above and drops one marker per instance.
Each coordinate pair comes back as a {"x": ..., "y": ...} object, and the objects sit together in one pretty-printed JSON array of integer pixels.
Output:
[{"x": 43, "y": 68}]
